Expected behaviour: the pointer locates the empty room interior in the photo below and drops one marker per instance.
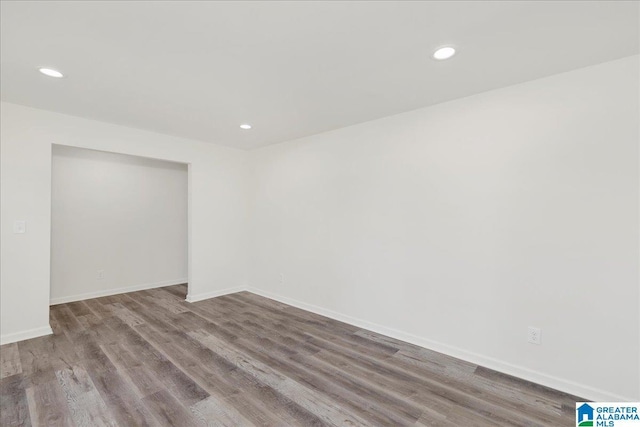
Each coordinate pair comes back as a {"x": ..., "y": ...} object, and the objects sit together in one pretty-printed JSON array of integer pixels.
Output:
[{"x": 320, "y": 213}]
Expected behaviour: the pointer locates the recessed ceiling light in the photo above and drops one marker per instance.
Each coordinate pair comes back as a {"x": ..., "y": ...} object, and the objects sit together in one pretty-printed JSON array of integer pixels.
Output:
[
  {"x": 444, "y": 53},
  {"x": 245, "y": 126},
  {"x": 51, "y": 72}
]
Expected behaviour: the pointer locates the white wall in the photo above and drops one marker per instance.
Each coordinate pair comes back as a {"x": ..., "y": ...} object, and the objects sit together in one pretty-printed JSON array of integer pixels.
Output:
[
  {"x": 459, "y": 225},
  {"x": 123, "y": 215},
  {"x": 218, "y": 207}
]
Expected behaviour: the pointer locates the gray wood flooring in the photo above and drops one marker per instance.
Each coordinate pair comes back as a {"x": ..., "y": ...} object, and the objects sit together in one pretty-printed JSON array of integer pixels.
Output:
[{"x": 150, "y": 358}]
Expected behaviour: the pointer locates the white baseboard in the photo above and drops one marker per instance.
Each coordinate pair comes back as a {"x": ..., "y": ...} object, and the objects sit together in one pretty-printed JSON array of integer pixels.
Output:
[
  {"x": 208, "y": 295},
  {"x": 25, "y": 335},
  {"x": 567, "y": 386},
  {"x": 115, "y": 291}
]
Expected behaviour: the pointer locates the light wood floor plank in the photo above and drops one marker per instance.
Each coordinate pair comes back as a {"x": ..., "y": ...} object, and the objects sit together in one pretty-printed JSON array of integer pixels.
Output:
[
  {"x": 122, "y": 402},
  {"x": 168, "y": 411},
  {"x": 15, "y": 407},
  {"x": 212, "y": 412},
  {"x": 10, "y": 360},
  {"x": 327, "y": 409},
  {"x": 86, "y": 404},
  {"x": 48, "y": 405}
]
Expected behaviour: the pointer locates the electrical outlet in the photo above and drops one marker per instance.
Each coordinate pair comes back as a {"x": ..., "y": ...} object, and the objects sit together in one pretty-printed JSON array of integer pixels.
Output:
[
  {"x": 100, "y": 275},
  {"x": 282, "y": 278},
  {"x": 534, "y": 335}
]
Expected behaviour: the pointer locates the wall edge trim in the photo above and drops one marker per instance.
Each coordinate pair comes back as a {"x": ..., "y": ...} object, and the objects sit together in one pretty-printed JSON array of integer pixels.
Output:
[
  {"x": 25, "y": 335},
  {"x": 208, "y": 295}
]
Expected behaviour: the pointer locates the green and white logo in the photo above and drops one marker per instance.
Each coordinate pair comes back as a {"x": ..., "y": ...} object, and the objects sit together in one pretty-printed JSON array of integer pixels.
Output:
[{"x": 607, "y": 414}]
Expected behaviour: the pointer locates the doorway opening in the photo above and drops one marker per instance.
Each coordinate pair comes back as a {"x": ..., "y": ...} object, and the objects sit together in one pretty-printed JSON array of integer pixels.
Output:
[{"x": 119, "y": 224}]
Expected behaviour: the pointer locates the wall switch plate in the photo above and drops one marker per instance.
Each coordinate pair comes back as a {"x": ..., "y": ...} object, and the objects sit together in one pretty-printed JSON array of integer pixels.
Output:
[
  {"x": 20, "y": 226},
  {"x": 100, "y": 275},
  {"x": 534, "y": 335}
]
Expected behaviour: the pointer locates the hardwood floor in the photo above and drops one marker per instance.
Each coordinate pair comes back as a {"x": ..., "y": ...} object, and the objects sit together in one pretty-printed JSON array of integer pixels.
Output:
[{"x": 150, "y": 358}]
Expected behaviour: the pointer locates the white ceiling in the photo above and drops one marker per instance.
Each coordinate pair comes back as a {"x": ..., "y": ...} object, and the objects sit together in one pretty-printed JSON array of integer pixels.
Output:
[{"x": 199, "y": 69}]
